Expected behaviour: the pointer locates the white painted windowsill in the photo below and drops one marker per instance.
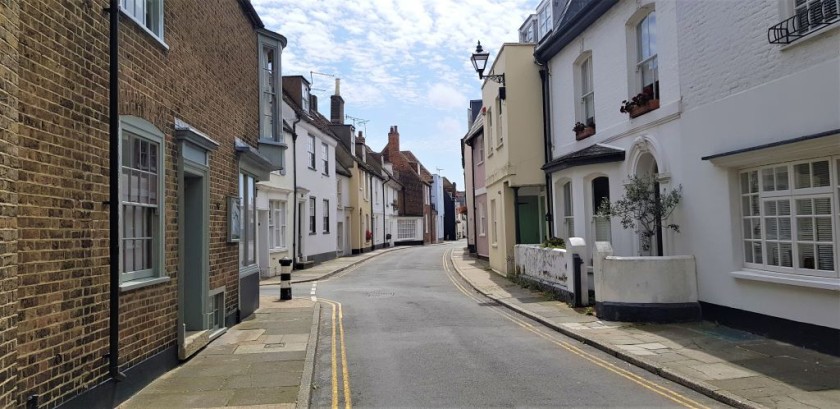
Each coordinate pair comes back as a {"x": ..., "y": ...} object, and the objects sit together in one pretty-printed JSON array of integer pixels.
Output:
[
  {"x": 146, "y": 29},
  {"x": 142, "y": 282},
  {"x": 824, "y": 283}
]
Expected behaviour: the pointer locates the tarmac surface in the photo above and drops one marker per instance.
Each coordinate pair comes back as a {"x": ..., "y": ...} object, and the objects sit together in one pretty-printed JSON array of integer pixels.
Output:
[{"x": 267, "y": 361}]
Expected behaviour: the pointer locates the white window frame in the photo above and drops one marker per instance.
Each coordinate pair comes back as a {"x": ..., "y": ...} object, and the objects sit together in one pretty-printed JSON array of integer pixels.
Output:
[
  {"x": 137, "y": 129},
  {"x": 326, "y": 216},
  {"x": 310, "y": 149},
  {"x": 149, "y": 21},
  {"x": 544, "y": 19},
  {"x": 482, "y": 220},
  {"x": 650, "y": 58},
  {"x": 490, "y": 132},
  {"x": 802, "y": 9},
  {"x": 269, "y": 86},
  {"x": 586, "y": 90},
  {"x": 757, "y": 200},
  {"x": 567, "y": 216},
  {"x": 312, "y": 218},
  {"x": 499, "y": 132},
  {"x": 248, "y": 220},
  {"x": 480, "y": 152},
  {"x": 305, "y": 98},
  {"x": 325, "y": 157},
  {"x": 277, "y": 224},
  {"x": 494, "y": 228}
]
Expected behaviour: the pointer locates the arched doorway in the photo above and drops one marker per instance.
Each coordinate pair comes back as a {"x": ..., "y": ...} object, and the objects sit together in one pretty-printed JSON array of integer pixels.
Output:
[{"x": 646, "y": 167}]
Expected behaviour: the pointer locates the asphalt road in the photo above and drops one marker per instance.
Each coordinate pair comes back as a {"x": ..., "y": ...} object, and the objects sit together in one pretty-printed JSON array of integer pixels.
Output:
[{"x": 416, "y": 338}]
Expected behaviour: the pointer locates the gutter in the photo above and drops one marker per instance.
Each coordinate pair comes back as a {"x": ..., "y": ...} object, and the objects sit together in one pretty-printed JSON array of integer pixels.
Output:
[
  {"x": 294, "y": 189},
  {"x": 114, "y": 191},
  {"x": 546, "y": 107}
]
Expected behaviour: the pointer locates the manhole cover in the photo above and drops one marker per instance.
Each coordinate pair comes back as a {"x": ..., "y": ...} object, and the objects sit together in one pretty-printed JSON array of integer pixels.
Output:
[{"x": 379, "y": 294}]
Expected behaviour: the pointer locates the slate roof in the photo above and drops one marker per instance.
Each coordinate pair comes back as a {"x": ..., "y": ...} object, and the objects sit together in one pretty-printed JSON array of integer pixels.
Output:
[{"x": 592, "y": 154}]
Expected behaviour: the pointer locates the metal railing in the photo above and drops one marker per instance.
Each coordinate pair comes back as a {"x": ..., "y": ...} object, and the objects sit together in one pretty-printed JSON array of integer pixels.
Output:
[{"x": 819, "y": 14}]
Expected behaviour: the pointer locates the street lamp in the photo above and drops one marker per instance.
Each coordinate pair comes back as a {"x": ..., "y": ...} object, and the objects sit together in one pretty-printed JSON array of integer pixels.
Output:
[{"x": 479, "y": 61}]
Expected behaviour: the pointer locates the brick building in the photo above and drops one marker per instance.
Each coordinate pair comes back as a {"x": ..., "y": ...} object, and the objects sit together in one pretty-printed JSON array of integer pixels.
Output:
[
  {"x": 191, "y": 139},
  {"x": 414, "y": 200}
]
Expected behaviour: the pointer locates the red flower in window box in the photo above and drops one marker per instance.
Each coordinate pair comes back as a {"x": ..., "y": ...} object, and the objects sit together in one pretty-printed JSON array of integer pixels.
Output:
[{"x": 368, "y": 235}]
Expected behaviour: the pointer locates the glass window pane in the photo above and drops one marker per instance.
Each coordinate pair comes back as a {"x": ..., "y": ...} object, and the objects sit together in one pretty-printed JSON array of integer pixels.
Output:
[
  {"x": 754, "y": 181},
  {"x": 784, "y": 229},
  {"x": 773, "y": 254},
  {"x": 823, "y": 225},
  {"x": 825, "y": 257},
  {"x": 822, "y": 206},
  {"x": 745, "y": 183},
  {"x": 768, "y": 184},
  {"x": 772, "y": 228},
  {"x": 804, "y": 207},
  {"x": 802, "y": 176},
  {"x": 745, "y": 205},
  {"x": 806, "y": 256},
  {"x": 747, "y": 229},
  {"x": 756, "y": 228},
  {"x": 782, "y": 178},
  {"x": 784, "y": 207},
  {"x": 754, "y": 206},
  {"x": 757, "y": 252},
  {"x": 805, "y": 229},
  {"x": 786, "y": 254},
  {"x": 770, "y": 208},
  {"x": 821, "y": 174},
  {"x": 748, "y": 256}
]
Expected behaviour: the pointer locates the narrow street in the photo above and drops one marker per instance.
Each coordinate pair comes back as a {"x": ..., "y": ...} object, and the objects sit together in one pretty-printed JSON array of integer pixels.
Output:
[{"x": 417, "y": 336}]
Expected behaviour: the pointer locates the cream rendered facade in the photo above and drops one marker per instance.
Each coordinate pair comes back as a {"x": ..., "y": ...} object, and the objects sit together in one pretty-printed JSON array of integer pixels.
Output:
[
  {"x": 360, "y": 219},
  {"x": 513, "y": 145}
]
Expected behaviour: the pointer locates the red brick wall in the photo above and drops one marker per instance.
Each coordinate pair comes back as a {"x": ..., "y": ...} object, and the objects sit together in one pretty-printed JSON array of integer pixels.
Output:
[
  {"x": 208, "y": 78},
  {"x": 411, "y": 199},
  {"x": 9, "y": 26}
]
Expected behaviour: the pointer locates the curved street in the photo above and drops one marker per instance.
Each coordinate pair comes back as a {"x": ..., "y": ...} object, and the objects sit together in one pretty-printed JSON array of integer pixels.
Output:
[{"x": 418, "y": 336}]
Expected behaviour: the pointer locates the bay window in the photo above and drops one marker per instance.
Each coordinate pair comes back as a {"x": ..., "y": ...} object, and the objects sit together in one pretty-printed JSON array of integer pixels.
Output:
[{"x": 790, "y": 217}]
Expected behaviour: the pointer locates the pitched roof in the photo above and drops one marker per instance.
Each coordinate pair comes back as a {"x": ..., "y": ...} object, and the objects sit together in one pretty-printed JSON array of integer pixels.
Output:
[
  {"x": 592, "y": 154},
  {"x": 424, "y": 173},
  {"x": 312, "y": 117}
]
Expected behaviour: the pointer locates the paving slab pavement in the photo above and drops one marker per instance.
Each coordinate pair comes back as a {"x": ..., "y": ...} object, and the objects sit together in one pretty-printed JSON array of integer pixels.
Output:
[
  {"x": 736, "y": 367},
  {"x": 264, "y": 362}
]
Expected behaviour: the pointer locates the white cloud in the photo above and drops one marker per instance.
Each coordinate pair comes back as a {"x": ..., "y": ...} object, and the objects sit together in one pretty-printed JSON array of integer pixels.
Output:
[{"x": 445, "y": 97}]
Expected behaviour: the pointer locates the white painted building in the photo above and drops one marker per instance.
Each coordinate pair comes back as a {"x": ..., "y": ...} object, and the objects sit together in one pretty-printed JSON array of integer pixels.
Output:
[
  {"x": 316, "y": 195},
  {"x": 437, "y": 203},
  {"x": 749, "y": 129}
]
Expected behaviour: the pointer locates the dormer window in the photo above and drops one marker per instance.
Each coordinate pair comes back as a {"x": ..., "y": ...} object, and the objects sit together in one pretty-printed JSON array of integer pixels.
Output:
[
  {"x": 305, "y": 98},
  {"x": 545, "y": 22}
]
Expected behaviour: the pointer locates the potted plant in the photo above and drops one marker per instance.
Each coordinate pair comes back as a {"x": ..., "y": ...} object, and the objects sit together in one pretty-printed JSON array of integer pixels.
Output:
[
  {"x": 642, "y": 103},
  {"x": 643, "y": 208},
  {"x": 584, "y": 131}
]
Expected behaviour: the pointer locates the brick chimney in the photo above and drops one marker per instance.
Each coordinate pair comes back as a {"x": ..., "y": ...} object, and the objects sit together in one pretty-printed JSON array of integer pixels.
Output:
[
  {"x": 394, "y": 139},
  {"x": 337, "y": 105},
  {"x": 360, "y": 147}
]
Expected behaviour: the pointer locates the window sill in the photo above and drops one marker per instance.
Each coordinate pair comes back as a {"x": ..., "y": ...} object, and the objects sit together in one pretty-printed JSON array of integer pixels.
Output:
[
  {"x": 142, "y": 27},
  {"x": 812, "y": 36},
  {"x": 311, "y": 168},
  {"x": 142, "y": 282},
  {"x": 823, "y": 283},
  {"x": 278, "y": 250},
  {"x": 269, "y": 141},
  {"x": 312, "y": 233},
  {"x": 248, "y": 270}
]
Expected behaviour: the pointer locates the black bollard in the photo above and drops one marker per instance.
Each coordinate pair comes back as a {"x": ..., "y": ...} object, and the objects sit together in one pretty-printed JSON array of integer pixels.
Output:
[{"x": 285, "y": 279}]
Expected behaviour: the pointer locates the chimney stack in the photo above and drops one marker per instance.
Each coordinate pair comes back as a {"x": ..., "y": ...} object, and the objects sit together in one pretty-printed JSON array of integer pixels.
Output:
[
  {"x": 394, "y": 139},
  {"x": 337, "y": 105},
  {"x": 360, "y": 147},
  {"x": 313, "y": 102}
]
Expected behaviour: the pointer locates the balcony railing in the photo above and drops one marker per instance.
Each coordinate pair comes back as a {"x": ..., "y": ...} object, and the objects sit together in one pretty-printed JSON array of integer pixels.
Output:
[{"x": 807, "y": 20}]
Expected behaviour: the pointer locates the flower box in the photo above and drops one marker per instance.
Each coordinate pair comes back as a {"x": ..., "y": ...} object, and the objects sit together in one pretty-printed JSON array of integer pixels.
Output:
[
  {"x": 584, "y": 133},
  {"x": 643, "y": 109}
]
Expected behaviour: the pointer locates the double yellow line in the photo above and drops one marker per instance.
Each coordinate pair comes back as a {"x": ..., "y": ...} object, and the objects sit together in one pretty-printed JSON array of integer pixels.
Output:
[
  {"x": 338, "y": 312},
  {"x": 553, "y": 338}
]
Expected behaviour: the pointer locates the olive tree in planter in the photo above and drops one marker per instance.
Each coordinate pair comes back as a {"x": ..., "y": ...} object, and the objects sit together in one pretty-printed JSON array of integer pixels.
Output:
[{"x": 643, "y": 208}]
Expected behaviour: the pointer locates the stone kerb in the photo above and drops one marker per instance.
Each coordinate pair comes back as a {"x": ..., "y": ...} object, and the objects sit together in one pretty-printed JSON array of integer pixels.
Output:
[{"x": 653, "y": 289}]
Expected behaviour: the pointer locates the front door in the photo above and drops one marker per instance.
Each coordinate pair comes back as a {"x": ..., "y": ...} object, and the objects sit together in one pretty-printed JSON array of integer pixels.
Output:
[{"x": 529, "y": 219}]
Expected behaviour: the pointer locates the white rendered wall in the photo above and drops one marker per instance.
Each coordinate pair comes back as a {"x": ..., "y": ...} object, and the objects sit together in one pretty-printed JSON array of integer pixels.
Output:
[
  {"x": 771, "y": 93},
  {"x": 320, "y": 187}
]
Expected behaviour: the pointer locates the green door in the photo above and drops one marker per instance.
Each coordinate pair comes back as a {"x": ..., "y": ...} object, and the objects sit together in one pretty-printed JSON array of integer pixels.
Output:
[{"x": 529, "y": 219}]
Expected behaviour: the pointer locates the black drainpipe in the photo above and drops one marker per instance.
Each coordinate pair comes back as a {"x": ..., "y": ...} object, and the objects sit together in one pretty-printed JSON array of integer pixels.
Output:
[
  {"x": 384, "y": 235},
  {"x": 546, "y": 102},
  {"x": 475, "y": 215},
  {"x": 294, "y": 193},
  {"x": 114, "y": 192}
]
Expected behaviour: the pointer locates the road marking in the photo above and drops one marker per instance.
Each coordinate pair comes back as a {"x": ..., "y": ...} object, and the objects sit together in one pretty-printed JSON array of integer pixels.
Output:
[
  {"x": 345, "y": 373},
  {"x": 553, "y": 338}
]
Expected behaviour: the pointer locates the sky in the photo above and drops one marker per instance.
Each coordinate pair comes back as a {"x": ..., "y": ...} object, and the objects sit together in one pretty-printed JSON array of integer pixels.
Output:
[{"x": 401, "y": 62}]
